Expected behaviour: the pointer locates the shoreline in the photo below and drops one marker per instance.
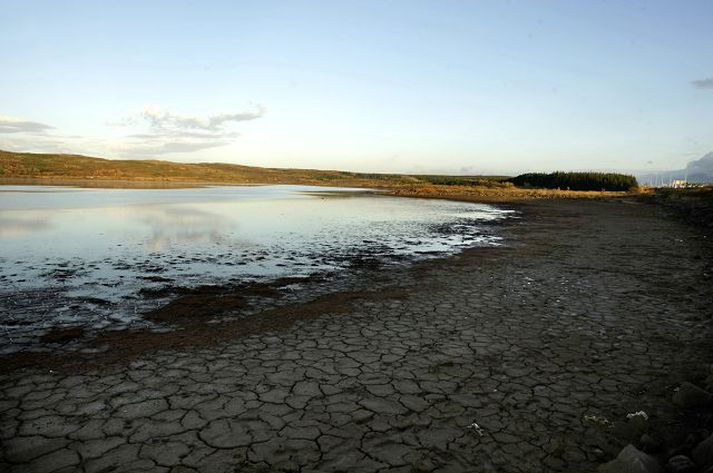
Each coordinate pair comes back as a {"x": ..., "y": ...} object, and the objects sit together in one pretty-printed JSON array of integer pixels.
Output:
[
  {"x": 151, "y": 292},
  {"x": 233, "y": 310},
  {"x": 478, "y": 193},
  {"x": 545, "y": 344}
]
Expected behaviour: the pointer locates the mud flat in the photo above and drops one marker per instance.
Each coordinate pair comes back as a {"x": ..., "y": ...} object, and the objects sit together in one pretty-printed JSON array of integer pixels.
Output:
[
  {"x": 76, "y": 260},
  {"x": 523, "y": 358}
]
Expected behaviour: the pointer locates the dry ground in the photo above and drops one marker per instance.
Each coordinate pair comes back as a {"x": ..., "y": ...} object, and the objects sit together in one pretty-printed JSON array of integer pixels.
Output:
[{"x": 520, "y": 359}]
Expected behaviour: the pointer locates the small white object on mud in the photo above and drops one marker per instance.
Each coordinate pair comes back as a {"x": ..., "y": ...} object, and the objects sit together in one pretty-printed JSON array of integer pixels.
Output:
[
  {"x": 641, "y": 414},
  {"x": 477, "y": 428}
]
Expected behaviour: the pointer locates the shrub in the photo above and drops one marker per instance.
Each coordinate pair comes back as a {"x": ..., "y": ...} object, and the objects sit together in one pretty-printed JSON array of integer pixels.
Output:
[
  {"x": 461, "y": 180},
  {"x": 581, "y": 181}
]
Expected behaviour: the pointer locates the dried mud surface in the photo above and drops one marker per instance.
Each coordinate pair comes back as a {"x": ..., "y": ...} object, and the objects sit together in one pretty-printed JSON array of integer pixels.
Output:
[{"x": 525, "y": 358}]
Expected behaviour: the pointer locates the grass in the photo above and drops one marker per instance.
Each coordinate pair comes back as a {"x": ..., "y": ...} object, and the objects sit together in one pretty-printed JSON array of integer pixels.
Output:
[
  {"x": 62, "y": 166},
  {"x": 98, "y": 172},
  {"x": 463, "y": 180}
]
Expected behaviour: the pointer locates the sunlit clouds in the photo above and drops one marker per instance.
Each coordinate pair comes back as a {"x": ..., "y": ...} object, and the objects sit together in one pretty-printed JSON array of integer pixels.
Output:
[{"x": 151, "y": 132}]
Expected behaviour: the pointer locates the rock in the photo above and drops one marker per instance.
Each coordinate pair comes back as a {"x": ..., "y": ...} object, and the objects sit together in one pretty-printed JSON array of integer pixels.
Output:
[
  {"x": 703, "y": 453},
  {"x": 631, "y": 460},
  {"x": 680, "y": 464},
  {"x": 689, "y": 395},
  {"x": 649, "y": 444},
  {"x": 638, "y": 421},
  {"x": 708, "y": 383}
]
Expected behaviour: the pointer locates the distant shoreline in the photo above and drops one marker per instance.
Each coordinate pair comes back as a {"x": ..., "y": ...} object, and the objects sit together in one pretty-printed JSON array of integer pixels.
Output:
[
  {"x": 482, "y": 194},
  {"x": 86, "y": 171},
  {"x": 110, "y": 183}
]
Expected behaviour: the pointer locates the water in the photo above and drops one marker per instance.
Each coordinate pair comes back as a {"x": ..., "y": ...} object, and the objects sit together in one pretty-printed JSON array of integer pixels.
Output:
[{"x": 80, "y": 257}]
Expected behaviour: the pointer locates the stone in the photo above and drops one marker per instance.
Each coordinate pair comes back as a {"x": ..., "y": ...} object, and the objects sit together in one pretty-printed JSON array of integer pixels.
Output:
[
  {"x": 680, "y": 464},
  {"x": 631, "y": 460},
  {"x": 689, "y": 396},
  {"x": 703, "y": 453},
  {"x": 649, "y": 444}
]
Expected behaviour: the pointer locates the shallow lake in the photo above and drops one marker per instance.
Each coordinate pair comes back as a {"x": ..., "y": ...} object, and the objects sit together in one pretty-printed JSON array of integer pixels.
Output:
[{"x": 80, "y": 257}]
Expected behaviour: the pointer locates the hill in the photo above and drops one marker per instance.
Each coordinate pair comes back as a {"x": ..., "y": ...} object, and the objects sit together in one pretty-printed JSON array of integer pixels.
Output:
[
  {"x": 66, "y": 166},
  {"x": 699, "y": 171},
  {"x": 29, "y": 168}
]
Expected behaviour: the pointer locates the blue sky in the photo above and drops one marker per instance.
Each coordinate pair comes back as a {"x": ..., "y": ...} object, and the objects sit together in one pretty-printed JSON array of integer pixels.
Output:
[{"x": 458, "y": 87}]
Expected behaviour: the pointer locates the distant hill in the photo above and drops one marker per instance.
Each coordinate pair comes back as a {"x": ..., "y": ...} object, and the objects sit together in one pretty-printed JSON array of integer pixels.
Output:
[
  {"x": 699, "y": 171},
  {"x": 69, "y": 166}
]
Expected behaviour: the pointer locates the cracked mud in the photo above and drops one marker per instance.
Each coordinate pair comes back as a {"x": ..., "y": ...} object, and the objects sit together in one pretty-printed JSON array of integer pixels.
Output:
[{"x": 504, "y": 360}]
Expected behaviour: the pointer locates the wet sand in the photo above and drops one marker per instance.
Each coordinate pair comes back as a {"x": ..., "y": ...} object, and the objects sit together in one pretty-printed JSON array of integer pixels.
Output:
[{"x": 525, "y": 358}]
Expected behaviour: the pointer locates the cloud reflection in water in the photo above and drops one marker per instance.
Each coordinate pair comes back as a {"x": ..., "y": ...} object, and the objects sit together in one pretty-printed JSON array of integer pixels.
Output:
[
  {"x": 14, "y": 226},
  {"x": 177, "y": 225}
]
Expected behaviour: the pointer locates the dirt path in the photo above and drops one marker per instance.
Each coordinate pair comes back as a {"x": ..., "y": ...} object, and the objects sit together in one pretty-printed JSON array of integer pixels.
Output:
[{"x": 522, "y": 359}]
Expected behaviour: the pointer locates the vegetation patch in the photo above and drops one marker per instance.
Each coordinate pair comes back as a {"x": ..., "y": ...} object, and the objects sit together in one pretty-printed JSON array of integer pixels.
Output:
[
  {"x": 20, "y": 168},
  {"x": 579, "y": 181},
  {"x": 487, "y": 181}
]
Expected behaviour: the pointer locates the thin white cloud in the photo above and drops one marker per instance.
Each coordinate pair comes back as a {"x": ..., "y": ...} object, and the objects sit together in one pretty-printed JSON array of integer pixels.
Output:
[
  {"x": 160, "y": 131},
  {"x": 17, "y": 125},
  {"x": 152, "y": 132},
  {"x": 156, "y": 148},
  {"x": 706, "y": 83},
  {"x": 164, "y": 120}
]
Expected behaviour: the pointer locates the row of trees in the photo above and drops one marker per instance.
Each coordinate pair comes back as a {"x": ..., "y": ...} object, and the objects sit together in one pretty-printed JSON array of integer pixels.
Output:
[{"x": 582, "y": 181}]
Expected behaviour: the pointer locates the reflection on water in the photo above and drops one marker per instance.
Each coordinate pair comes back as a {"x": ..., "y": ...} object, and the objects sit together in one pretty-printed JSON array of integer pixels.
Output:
[
  {"x": 61, "y": 247},
  {"x": 173, "y": 225},
  {"x": 17, "y": 226}
]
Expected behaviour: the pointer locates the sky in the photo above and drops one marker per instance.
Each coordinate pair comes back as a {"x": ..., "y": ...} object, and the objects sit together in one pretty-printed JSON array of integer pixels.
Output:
[{"x": 461, "y": 87}]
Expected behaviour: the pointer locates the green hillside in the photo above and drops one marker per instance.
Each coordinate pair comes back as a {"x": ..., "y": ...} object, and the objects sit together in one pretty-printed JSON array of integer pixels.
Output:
[{"x": 66, "y": 166}]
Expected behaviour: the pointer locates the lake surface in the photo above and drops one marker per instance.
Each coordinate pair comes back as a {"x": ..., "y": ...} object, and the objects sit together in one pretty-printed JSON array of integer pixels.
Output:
[{"x": 81, "y": 257}]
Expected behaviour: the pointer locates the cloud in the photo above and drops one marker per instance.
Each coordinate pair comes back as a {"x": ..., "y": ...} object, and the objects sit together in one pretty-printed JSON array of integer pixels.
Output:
[
  {"x": 706, "y": 83},
  {"x": 177, "y": 225},
  {"x": 155, "y": 148},
  {"x": 163, "y": 132},
  {"x": 18, "y": 125},
  {"x": 14, "y": 226},
  {"x": 152, "y": 132},
  {"x": 164, "y": 120}
]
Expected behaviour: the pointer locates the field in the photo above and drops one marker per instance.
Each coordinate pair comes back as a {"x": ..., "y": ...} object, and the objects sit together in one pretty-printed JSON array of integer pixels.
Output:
[
  {"x": 63, "y": 166},
  {"x": 17, "y": 168}
]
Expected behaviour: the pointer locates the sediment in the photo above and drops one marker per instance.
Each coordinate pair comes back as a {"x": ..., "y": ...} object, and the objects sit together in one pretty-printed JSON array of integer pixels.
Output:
[{"x": 523, "y": 358}]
